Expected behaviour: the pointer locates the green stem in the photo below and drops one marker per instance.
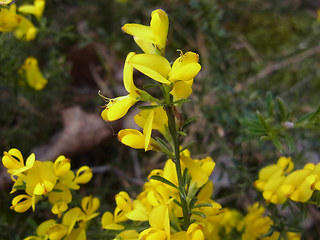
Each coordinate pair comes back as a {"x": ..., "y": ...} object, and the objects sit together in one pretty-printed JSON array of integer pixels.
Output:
[{"x": 176, "y": 151}]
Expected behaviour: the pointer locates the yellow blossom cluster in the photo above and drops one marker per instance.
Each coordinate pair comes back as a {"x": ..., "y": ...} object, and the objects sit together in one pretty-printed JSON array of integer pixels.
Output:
[
  {"x": 278, "y": 182},
  {"x": 152, "y": 40},
  {"x": 23, "y": 28},
  {"x": 73, "y": 224},
  {"x": 39, "y": 180},
  {"x": 159, "y": 205},
  {"x": 252, "y": 226}
]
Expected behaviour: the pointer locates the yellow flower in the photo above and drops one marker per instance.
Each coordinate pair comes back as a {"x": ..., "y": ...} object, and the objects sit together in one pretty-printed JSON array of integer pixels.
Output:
[
  {"x": 61, "y": 166},
  {"x": 83, "y": 175},
  {"x": 128, "y": 235},
  {"x": 199, "y": 170},
  {"x": 118, "y": 107},
  {"x": 35, "y": 78},
  {"x": 9, "y": 20},
  {"x": 36, "y": 9},
  {"x": 108, "y": 222},
  {"x": 254, "y": 224},
  {"x": 89, "y": 206},
  {"x": 25, "y": 30},
  {"x": 296, "y": 185},
  {"x": 42, "y": 230},
  {"x": 195, "y": 232},
  {"x": 21, "y": 203},
  {"x": 40, "y": 178},
  {"x": 151, "y": 39},
  {"x": 271, "y": 179},
  {"x": 182, "y": 72},
  {"x": 159, "y": 224},
  {"x": 160, "y": 121},
  {"x": 135, "y": 139},
  {"x": 5, "y": 2},
  {"x": 13, "y": 161},
  {"x": 60, "y": 199},
  {"x": 139, "y": 212}
]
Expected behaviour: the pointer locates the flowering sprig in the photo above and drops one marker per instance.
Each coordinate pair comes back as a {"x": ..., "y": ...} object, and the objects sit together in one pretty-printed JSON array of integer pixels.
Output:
[
  {"x": 39, "y": 180},
  {"x": 176, "y": 200}
]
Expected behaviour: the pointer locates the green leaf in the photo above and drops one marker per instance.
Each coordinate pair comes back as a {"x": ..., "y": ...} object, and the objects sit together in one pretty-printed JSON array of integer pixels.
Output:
[
  {"x": 270, "y": 105},
  {"x": 265, "y": 138},
  {"x": 20, "y": 187},
  {"x": 148, "y": 107},
  {"x": 164, "y": 147},
  {"x": 151, "y": 85},
  {"x": 263, "y": 122},
  {"x": 315, "y": 114},
  {"x": 192, "y": 202},
  {"x": 182, "y": 133},
  {"x": 177, "y": 202},
  {"x": 57, "y": 190},
  {"x": 162, "y": 179},
  {"x": 304, "y": 118},
  {"x": 318, "y": 198},
  {"x": 189, "y": 121},
  {"x": 270, "y": 232},
  {"x": 202, "y": 205},
  {"x": 181, "y": 101},
  {"x": 188, "y": 145},
  {"x": 185, "y": 176},
  {"x": 201, "y": 214},
  {"x": 277, "y": 144},
  {"x": 290, "y": 142},
  {"x": 282, "y": 109},
  {"x": 255, "y": 131}
]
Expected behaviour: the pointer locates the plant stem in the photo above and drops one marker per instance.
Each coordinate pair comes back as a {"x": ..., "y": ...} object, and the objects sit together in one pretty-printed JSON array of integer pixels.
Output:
[{"x": 176, "y": 152}]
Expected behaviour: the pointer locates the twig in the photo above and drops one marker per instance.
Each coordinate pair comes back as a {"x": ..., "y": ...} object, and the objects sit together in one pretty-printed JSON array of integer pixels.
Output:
[
  {"x": 251, "y": 50},
  {"x": 273, "y": 67}
]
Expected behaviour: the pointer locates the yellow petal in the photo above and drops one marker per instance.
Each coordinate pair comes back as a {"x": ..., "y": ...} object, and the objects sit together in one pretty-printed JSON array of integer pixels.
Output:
[
  {"x": 139, "y": 212},
  {"x": 71, "y": 217},
  {"x": 132, "y": 138},
  {"x": 21, "y": 203},
  {"x": 118, "y": 107},
  {"x": 141, "y": 31},
  {"x": 147, "y": 129},
  {"x": 198, "y": 175},
  {"x": 159, "y": 25},
  {"x": 181, "y": 90},
  {"x": 129, "y": 235},
  {"x": 43, "y": 227},
  {"x": 108, "y": 223},
  {"x": 146, "y": 47},
  {"x": 83, "y": 175},
  {"x": 128, "y": 74},
  {"x": 159, "y": 219},
  {"x": 154, "y": 66},
  {"x": 185, "y": 72}
]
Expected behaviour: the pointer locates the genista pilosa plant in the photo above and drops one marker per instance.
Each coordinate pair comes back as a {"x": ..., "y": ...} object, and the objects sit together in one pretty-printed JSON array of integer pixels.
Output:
[{"x": 175, "y": 202}]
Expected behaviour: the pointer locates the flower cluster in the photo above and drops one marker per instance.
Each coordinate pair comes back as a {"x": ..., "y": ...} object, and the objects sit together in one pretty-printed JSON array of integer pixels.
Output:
[
  {"x": 39, "y": 180},
  {"x": 278, "y": 182},
  {"x": 158, "y": 203},
  {"x": 23, "y": 28},
  {"x": 254, "y": 225},
  {"x": 72, "y": 225}
]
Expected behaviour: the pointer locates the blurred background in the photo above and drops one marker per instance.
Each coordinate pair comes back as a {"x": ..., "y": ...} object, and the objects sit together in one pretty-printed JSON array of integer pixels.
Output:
[{"x": 255, "y": 55}]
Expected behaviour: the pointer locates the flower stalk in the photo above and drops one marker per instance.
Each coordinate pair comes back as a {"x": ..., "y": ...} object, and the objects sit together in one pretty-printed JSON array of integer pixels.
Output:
[{"x": 176, "y": 153}]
